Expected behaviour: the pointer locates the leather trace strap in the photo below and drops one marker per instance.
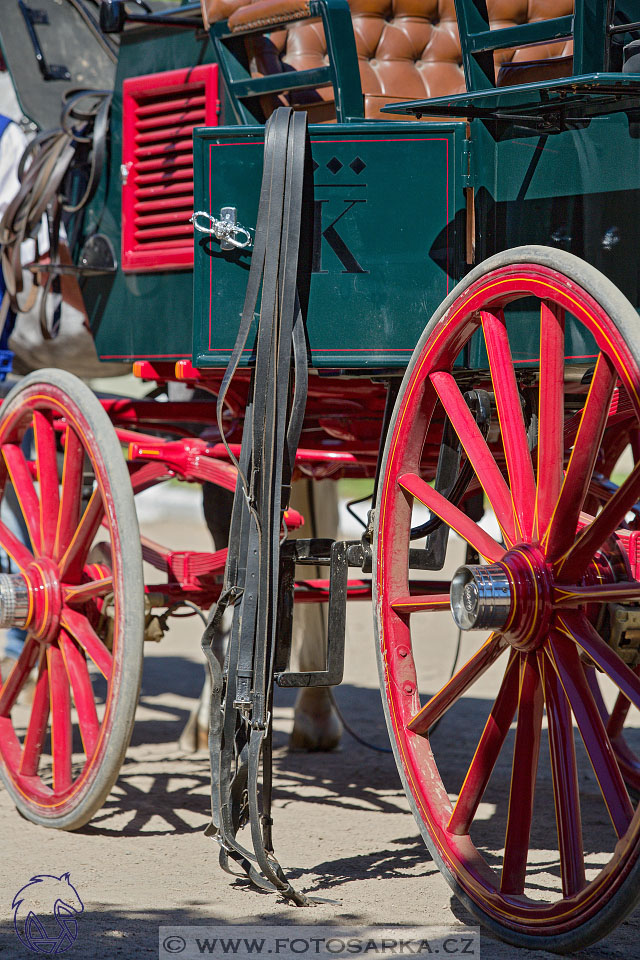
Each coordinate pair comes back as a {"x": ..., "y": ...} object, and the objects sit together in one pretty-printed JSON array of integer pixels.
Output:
[
  {"x": 242, "y": 697},
  {"x": 48, "y": 184}
]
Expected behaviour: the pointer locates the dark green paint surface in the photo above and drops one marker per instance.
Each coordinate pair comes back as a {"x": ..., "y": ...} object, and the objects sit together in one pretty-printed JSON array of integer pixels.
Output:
[
  {"x": 141, "y": 315},
  {"x": 386, "y": 249},
  {"x": 577, "y": 191},
  {"x": 387, "y": 245}
]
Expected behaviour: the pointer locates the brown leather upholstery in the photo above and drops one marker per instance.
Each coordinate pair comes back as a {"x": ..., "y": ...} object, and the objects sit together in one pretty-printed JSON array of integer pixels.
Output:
[
  {"x": 408, "y": 49},
  {"x": 266, "y": 13},
  {"x": 533, "y": 71}
]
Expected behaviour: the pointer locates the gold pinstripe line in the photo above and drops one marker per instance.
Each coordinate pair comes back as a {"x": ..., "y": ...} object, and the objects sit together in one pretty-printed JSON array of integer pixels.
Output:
[
  {"x": 521, "y": 668},
  {"x": 433, "y": 510}
]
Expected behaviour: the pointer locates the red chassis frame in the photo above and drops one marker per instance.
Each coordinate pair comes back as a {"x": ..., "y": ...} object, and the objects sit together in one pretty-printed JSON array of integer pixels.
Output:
[{"x": 340, "y": 438}]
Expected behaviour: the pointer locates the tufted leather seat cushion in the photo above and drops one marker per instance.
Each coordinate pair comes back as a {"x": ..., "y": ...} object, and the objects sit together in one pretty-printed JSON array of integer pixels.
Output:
[{"x": 407, "y": 49}]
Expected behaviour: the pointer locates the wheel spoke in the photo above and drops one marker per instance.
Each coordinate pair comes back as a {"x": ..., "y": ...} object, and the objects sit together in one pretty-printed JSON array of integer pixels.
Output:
[
  {"x": 80, "y": 628},
  {"x": 83, "y": 697},
  {"x": 81, "y": 593},
  {"x": 477, "y": 450},
  {"x": 486, "y": 546},
  {"x": 61, "y": 748},
  {"x": 37, "y": 729},
  {"x": 575, "y": 595},
  {"x": 562, "y": 528},
  {"x": 550, "y": 413},
  {"x": 577, "y": 627},
  {"x": 47, "y": 464},
  {"x": 523, "y": 777},
  {"x": 568, "y": 666},
  {"x": 18, "y": 676},
  {"x": 14, "y": 547},
  {"x": 512, "y": 428},
  {"x": 577, "y": 559},
  {"x": 422, "y": 604},
  {"x": 71, "y": 493},
  {"x": 488, "y": 750},
  {"x": 565, "y": 781},
  {"x": 472, "y": 670},
  {"x": 25, "y": 491},
  {"x": 74, "y": 558}
]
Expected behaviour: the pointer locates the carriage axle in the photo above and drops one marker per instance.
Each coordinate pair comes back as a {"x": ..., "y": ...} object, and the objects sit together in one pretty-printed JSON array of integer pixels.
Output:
[
  {"x": 14, "y": 600},
  {"x": 516, "y": 596}
]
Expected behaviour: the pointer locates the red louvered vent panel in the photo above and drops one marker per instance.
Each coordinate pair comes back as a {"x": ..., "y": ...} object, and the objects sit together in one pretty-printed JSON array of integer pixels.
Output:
[{"x": 159, "y": 112}]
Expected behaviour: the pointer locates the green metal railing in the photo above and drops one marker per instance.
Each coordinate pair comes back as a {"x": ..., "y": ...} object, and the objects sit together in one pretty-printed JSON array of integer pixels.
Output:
[
  {"x": 589, "y": 26},
  {"x": 341, "y": 73}
]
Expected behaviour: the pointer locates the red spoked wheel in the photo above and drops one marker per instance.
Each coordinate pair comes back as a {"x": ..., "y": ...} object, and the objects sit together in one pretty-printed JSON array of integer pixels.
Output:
[
  {"x": 61, "y": 753},
  {"x": 618, "y": 620},
  {"x": 548, "y": 575}
]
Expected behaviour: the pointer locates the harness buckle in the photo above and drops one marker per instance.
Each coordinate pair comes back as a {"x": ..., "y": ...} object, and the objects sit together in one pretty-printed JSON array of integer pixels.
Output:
[{"x": 225, "y": 230}]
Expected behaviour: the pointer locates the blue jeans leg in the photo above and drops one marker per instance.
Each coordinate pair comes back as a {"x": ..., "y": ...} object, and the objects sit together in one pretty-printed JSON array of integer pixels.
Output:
[{"x": 14, "y": 642}]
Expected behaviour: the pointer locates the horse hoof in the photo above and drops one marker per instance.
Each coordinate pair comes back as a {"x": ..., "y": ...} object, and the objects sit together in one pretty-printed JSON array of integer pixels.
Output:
[
  {"x": 194, "y": 737},
  {"x": 316, "y": 725}
]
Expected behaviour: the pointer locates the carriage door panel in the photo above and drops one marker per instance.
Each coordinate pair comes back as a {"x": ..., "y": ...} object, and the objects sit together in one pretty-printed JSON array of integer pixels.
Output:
[{"x": 385, "y": 246}]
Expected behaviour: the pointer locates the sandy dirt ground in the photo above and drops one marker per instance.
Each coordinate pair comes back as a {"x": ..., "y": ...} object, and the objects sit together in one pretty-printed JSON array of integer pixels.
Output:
[{"x": 342, "y": 824}]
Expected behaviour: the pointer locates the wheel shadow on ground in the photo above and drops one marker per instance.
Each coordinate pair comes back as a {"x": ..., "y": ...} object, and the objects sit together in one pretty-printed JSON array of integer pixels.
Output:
[
  {"x": 145, "y": 790},
  {"x": 404, "y": 858},
  {"x": 148, "y": 800},
  {"x": 350, "y": 778},
  {"x": 113, "y": 932}
]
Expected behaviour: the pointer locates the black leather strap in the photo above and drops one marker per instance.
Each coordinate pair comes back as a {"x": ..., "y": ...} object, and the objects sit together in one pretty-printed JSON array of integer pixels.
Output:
[
  {"x": 241, "y": 742},
  {"x": 43, "y": 169}
]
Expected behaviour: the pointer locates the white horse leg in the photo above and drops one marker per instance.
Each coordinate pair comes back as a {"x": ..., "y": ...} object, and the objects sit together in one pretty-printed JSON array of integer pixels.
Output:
[
  {"x": 217, "y": 504},
  {"x": 316, "y": 725},
  {"x": 195, "y": 735}
]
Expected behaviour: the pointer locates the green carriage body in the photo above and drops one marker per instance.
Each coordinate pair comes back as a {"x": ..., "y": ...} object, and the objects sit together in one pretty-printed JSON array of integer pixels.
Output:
[
  {"x": 403, "y": 232},
  {"x": 472, "y": 358},
  {"x": 380, "y": 260},
  {"x": 398, "y": 256},
  {"x": 401, "y": 211},
  {"x": 128, "y": 311}
]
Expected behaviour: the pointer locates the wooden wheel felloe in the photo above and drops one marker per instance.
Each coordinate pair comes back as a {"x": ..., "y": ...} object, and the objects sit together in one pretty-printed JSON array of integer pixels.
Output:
[
  {"x": 61, "y": 753},
  {"x": 546, "y": 577}
]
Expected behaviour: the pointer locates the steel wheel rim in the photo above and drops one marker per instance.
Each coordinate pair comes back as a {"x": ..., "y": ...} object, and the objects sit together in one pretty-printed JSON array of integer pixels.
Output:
[{"x": 407, "y": 432}]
